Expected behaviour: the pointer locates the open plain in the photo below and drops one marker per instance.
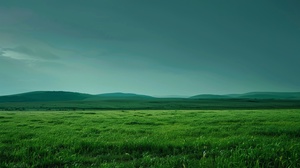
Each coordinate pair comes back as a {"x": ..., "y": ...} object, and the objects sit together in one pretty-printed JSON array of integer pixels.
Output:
[{"x": 150, "y": 138}]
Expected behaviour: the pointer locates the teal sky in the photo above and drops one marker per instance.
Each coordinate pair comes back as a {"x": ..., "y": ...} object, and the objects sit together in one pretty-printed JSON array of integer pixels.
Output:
[{"x": 150, "y": 47}]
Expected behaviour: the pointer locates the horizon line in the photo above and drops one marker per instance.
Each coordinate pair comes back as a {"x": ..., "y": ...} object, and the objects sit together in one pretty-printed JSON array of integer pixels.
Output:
[{"x": 157, "y": 96}]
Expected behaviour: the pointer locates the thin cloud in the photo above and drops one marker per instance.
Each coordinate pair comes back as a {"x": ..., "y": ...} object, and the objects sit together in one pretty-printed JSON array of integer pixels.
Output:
[
  {"x": 42, "y": 54},
  {"x": 25, "y": 53}
]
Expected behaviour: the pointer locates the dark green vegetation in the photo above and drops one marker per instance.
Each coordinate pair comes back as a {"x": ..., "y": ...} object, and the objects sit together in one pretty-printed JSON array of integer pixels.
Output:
[
  {"x": 120, "y": 101},
  {"x": 154, "y": 104},
  {"x": 41, "y": 96},
  {"x": 151, "y": 138},
  {"x": 46, "y": 96},
  {"x": 52, "y": 96},
  {"x": 254, "y": 95}
]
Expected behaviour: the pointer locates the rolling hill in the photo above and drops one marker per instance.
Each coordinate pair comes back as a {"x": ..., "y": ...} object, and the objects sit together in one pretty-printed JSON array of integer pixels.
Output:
[
  {"x": 119, "y": 96},
  {"x": 57, "y": 96},
  {"x": 209, "y": 96},
  {"x": 271, "y": 95},
  {"x": 253, "y": 95},
  {"x": 60, "y": 100},
  {"x": 45, "y": 96}
]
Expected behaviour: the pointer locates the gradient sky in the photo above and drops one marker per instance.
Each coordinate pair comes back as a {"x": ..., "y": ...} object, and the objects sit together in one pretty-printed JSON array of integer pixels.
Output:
[{"x": 152, "y": 47}]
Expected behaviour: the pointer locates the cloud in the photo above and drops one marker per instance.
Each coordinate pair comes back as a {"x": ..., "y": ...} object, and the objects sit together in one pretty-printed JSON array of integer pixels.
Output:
[{"x": 25, "y": 53}]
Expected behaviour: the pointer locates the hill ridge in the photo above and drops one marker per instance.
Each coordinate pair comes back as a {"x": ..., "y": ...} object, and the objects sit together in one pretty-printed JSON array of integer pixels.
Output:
[
  {"x": 44, "y": 96},
  {"x": 252, "y": 95}
]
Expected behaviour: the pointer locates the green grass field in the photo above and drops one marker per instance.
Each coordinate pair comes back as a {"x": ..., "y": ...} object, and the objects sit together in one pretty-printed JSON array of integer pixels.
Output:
[
  {"x": 151, "y": 138},
  {"x": 152, "y": 104}
]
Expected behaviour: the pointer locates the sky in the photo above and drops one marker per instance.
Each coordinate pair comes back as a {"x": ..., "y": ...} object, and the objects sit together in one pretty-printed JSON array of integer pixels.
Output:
[{"x": 151, "y": 47}]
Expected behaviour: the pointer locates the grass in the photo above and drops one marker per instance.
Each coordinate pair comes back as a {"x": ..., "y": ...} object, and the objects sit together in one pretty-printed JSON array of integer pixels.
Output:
[
  {"x": 152, "y": 104},
  {"x": 150, "y": 138}
]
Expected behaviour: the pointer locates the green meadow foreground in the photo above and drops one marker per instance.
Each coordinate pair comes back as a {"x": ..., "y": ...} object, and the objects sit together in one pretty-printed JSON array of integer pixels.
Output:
[{"x": 153, "y": 138}]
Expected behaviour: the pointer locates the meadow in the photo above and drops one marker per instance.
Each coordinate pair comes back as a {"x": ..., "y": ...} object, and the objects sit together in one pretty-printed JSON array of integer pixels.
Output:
[{"x": 150, "y": 138}]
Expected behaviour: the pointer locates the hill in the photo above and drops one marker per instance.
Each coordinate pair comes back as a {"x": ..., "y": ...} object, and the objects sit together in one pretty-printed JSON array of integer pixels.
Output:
[
  {"x": 209, "y": 96},
  {"x": 62, "y": 96},
  {"x": 45, "y": 96},
  {"x": 253, "y": 95},
  {"x": 59, "y": 100},
  {"x": 119, "y": 95},
  {"x": 55, "y": 96},
  {"x": 271, "y": 95}
]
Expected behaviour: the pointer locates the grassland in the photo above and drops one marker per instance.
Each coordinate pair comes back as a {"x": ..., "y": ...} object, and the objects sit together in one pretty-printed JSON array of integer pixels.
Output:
[
  {"x": 152, "y": 104},
  {"x": 150, "y": 138}
]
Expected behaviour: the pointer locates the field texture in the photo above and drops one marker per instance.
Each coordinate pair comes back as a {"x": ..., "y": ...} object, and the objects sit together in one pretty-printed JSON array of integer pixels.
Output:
[
  {"x": 152, "y": 104},
  {"x": 151, "y": 138}
]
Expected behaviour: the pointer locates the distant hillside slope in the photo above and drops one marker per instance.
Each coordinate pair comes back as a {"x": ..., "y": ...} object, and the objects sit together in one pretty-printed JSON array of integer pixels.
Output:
[
  {"x": 44, "y": 96},
  {"x": 119, "y": 96},
  {"x": 271, "y": 95},
  {"x": 51, "y": 96},
  {"x": 209, "y": 96},
  {"x": 253, "y": 95}
]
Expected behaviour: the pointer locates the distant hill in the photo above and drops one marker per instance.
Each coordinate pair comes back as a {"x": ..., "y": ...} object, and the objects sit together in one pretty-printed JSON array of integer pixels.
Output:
[
  {"x": 271, "y": 95},
  {"x": 119, "y": 95},
  {"x": 209, "y": 96},
  {"x": 56, "y": 96},
  {"x": 50, "y": 96},
  {"x": 253, "y": 95},
  {"x": 44, "y": 96}
]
